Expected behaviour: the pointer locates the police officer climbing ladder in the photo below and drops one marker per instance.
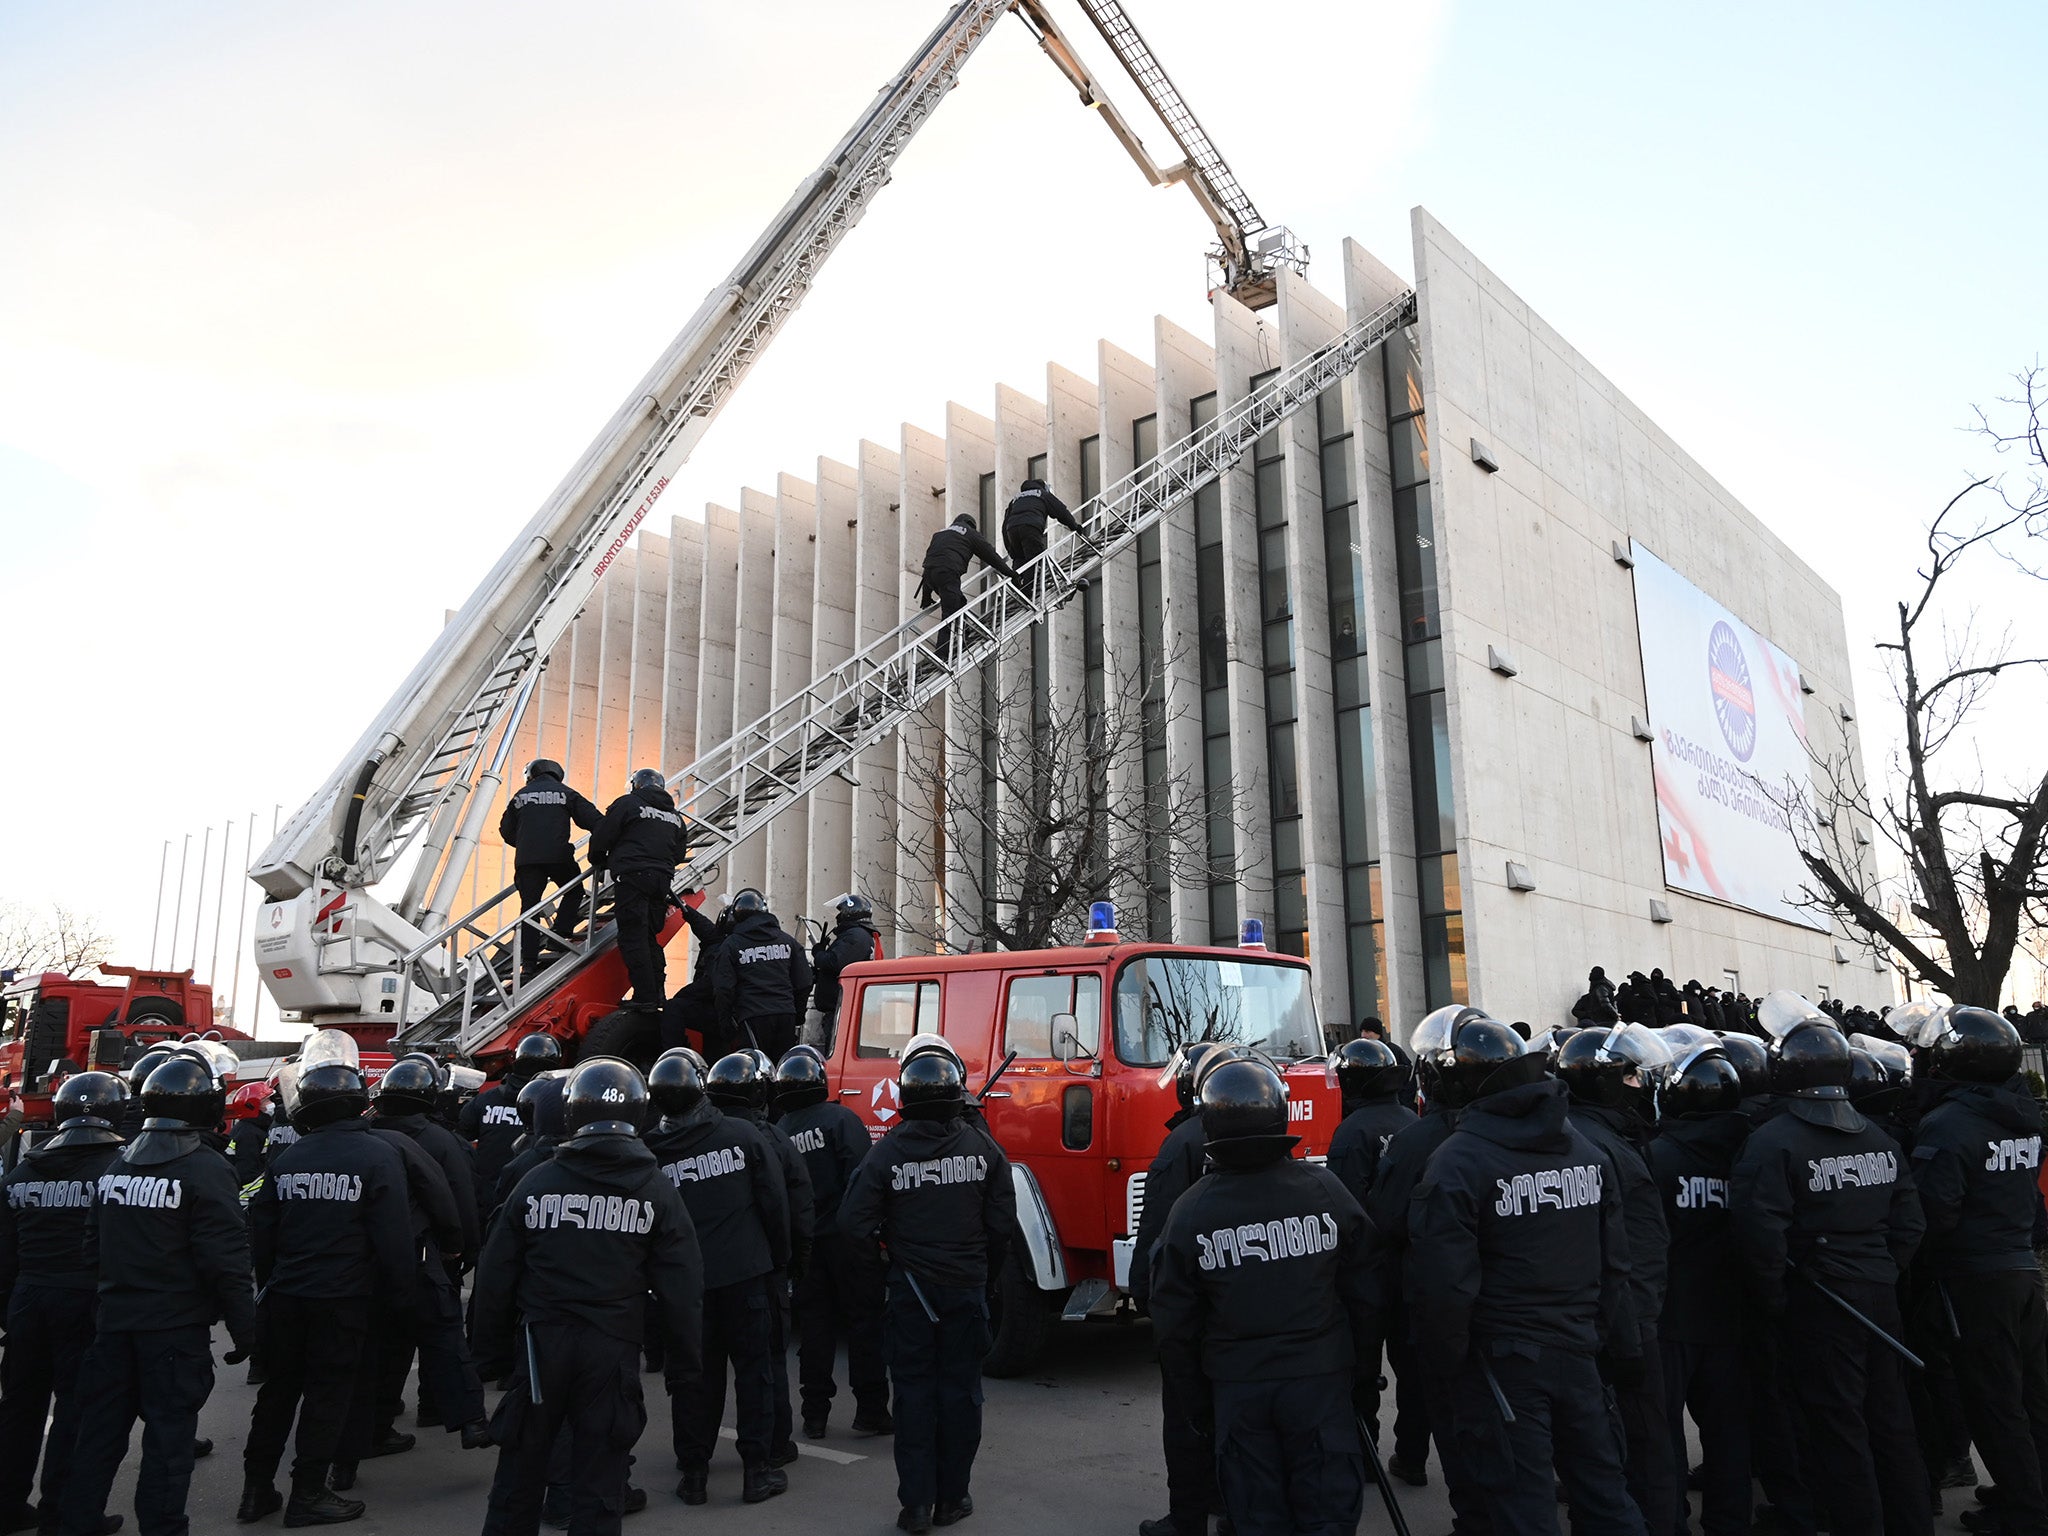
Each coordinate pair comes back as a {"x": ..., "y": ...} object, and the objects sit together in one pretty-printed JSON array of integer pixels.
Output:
[{"x": 641, "y": 841}]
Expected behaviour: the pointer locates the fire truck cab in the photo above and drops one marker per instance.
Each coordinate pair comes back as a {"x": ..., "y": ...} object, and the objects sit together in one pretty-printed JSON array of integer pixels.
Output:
[{"x": 1082, "y": 1110}]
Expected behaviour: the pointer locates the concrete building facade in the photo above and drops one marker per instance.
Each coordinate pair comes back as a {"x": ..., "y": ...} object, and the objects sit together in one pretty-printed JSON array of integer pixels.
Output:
[{"x": 1329, "y": 618}]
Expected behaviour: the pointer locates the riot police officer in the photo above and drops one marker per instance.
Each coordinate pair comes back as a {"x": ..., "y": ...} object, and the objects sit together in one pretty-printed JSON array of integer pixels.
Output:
[
  {"x": 561, "y": 1299},
  {"x": 1262, "y": 1296},
  {"x": 840, "y": 1293},
  {"x": 1374, "y": 1082},
  {"x": 854, "y": 939},
  {"x": 761, "y": 978},
  {"x": 490, "y": 1122},
  {"x": 172, "y": 1250},
  {"x": 731, "y": 1181},
  {"x": 1611, "y": 1074},
  {"x": 1976, "y": 1157},
  {"x": 1825, "y": 1213},
  {"x": 641, "y": 841},
  {"x": 936, "y": 1190},
  {"x": 946, "y": 559},
  {"x": 546, "y": 1119},
  {"x": 329, "y": 1229},
  {"x": 1191, "y": 1496},
  {"x": 1519, "y": 1281},
  {"x": 536, "y": 827},
  {"x": 1025, "y": 518},
  {"x": 45, "y": 1203}
]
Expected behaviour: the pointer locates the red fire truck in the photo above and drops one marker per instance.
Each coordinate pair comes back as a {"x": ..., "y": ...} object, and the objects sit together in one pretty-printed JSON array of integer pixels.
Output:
[{"x": 1081, "y": 1111}]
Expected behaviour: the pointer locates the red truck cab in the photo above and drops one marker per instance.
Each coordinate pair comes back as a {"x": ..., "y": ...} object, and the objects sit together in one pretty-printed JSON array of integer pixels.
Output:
[{"x": 1082, "y": 1110}]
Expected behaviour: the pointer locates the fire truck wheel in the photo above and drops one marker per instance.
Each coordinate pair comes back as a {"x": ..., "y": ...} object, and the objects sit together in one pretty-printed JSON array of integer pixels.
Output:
[
  {"x": 1020, "y": 1318},
  {"x": 163, "y": 1008},
  {"x": 628, "y": 1034}
]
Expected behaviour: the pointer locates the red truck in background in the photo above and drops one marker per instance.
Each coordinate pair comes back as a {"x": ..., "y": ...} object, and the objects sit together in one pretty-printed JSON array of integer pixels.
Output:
[{"x": 1081, "y": 1111}]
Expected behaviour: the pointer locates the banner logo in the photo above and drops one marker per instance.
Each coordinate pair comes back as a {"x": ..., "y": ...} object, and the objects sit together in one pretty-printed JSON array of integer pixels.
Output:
[{"x": 1734, "y": 700}]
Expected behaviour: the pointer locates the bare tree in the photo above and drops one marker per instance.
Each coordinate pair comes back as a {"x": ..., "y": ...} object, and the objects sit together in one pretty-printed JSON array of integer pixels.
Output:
[
  {"x": 1032, "y": 804},
  {"x": 1974, "y": 854},
  {"x": 61, "y": 939}
]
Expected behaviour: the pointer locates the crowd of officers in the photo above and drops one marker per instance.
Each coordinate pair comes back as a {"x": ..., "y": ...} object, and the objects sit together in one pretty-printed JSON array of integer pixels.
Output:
[{"x": 687, "y": 1222}]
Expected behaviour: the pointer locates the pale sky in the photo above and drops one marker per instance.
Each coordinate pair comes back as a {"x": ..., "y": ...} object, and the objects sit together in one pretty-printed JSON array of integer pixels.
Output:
[{"x": 304, "y": 309}]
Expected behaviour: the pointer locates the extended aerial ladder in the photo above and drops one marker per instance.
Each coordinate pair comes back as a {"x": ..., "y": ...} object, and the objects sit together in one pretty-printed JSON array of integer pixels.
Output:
[{"x": 424, "y": 774}]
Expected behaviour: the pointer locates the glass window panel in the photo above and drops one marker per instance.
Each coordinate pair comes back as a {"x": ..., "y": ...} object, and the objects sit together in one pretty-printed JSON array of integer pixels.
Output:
[
  {"x": 1223, "y": 914},
  {"x": 1034, "y": 467},
  {"x": 1286, "y": 786},
  {"x": 1279, "y": 698},
  {"x": 1430, "y": 769},
  {"x": 1145, "y": 439},
  {"x": 1273, "y": 574},
  {"x": 1436, "y": 962},
  {"x": 1348, "y": 676},
  {"x": 1209, "y": 515},
  {"x": 1287, "y": 846},
  {"x": 1290, "y": 902},
  {"x": 1344, "y": 564},
  {"x": 1454, "y": 958},
  {"x": 1358, "y": 893},
  {"x": 1426, "y": 667},
  {"x": 1148, "y": 546},
  {"x": 1365, "y": 992},
  {"x": 1408, "y": 443},
  {"x": 891, "y": 1013},
  {"x": 1403, "y": 354},
  {"x": 1454, "y": 895},
  {"x": 1091, "y": 467},
  {"x": 1279, "y": 647},
  {"x": 1415, "y": 562},
  {"x": 1202, "y": 409},
  {"x": 988, "y": 501},
  {"x": 1215, "y": 713},
  {"x": 1091, "y": 626},
  {"x": 1357, "y": 791},
  {"x": 1330, "y": 413},
  {"x": 1337, "y": 488},
  {"x": 1270, "y": 489},
  {"x": 1216, "y": 769},
  {"x": 1034, "y": 1001}
]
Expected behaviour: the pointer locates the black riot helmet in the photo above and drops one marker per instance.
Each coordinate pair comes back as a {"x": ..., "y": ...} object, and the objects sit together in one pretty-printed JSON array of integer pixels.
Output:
[
  {"x": 1186, "y": 1067},
  {"x": 1746, "y": 1054},
  {"x": 182, "y": 1094},
  {"x": 411, "y": 1087},
  {"x": 605, "y": 1097},
  {"x": 966, "y": 520},
  {"x": 1466, "y": 1054},
  {"x": 145, "y": 1064},
  {"x": 852, "y": 908},
  {"x": 748, "y": 900},
  {"x": 91, "y": 1099},
  {"x": 1975, "y": 1046},
  {"x": 1871, "y": 1088},
  {"x": 1596, "y": 1064},
  {"x": 735, "y": 1082},
  {"x": 331, "y": 1091},
  {"x": 1704, "y": 1083},
  {"x": 1033, "y": 484},
  {"x": 931, "y": 1087},
  {"x": 1812, "y": 1061},
  {"x": 537, "y": 1052},
  {"x": 647, "y": 778},
  {"x": 541, "y": 1108},
  {"x": 799, "y": 1081},
  {"x": 1367, "y": 1068},
  {"x": 1244, "y": 1114},
  {"x": 676, "y": 1082},
  {"x": 545, "y": 768}
]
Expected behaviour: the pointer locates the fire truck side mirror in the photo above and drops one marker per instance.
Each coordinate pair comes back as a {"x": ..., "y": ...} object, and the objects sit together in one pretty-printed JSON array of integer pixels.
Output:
[{"x": 1066, "y": 1038}]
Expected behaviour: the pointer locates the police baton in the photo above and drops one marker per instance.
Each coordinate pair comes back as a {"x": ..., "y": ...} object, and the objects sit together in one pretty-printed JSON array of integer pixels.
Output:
[
  {"x": 532, "y": 1368},
  {"x": 918, "y": 1291},
  {"x": 1904, "y": 1353},
  {"x": 1001, "y": 1067},
  {"x": 1379, "y": 1472},
  {"x": 1500, "y": 1398}
]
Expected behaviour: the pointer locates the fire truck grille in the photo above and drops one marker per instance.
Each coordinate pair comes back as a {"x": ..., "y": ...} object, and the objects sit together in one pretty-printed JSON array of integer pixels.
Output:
[{"x": 1134, "y": 1203}]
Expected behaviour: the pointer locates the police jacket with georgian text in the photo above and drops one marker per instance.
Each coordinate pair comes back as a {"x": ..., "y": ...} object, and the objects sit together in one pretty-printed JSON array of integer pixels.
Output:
[
  {"x": 1265, "y": 1274},
  {"x": 1820, "y": 1188},
  {"x": 1172, "y": 1174},
  {"x": 457, "y": 1162},
  {"x": 45, "y": 1204},
  {"x": 1976, "y": 1156},
  {"x": 1028, "y": 511},
  {"x": 1693, "y": 1160},
  {"x": 1400, "y": 1170},
  {"x": 833, "y": 1143},
  {"x": 332, "y": 1218},
  {"x": 584, "y": 1239},
  {"x": 951, "y": 550},
  {"x": 1362, "y": 1138},
  {"x": 537, "y": 820},
  {"x": 1615, "y": 1132},
  {"x": 168, "y": 1238},
  {"x": 938, "y": 1194},
  {"x": 1516, "y": 1235},
  {"x": 731, "y": 1180},
  {"x": 436, "y": 1219},
  {"x": 850, "y": 945},
  {"x": 760, "y": 972},
  {"x": 537, "y": 1150},
  {"x": 796, "y": 1185},
  {"x": 490, "y": 1122},
  {"x": 641, "y": 838}
]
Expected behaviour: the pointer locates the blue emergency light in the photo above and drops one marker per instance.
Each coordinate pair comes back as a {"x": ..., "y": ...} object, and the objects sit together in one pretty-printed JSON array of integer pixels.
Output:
[
  {"x": 1101, "y": 922},
  {"x": 1252, "y": 935}
]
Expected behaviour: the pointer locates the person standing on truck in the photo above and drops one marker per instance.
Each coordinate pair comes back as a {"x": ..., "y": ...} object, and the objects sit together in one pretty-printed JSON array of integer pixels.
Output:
[
  {"x": 936, "y": 1192},
  {"x": 45, "y": 1204},
  {"x": 1025, "y": 518},
  {"x": 329, "y": 1229},
  {"x": 728, "y": 1177},
  {"x": 172, "y": 1250},
  {"x": 854, "y": 939},
  {"x": 1191, "y": 1496},
  {"x": 536, "y": 827},
  {"x": 490, "y": 1122},
  {"x": 839, "y": 1295},
  {"x": 1261, "y": 1298},
  {"x": 761, "y": 978},
  {"x": 641, "y": 842}
]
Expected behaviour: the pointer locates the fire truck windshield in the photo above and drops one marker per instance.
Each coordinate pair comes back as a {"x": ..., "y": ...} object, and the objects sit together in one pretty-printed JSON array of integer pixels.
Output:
[{"x": 1164, "y": 1002}]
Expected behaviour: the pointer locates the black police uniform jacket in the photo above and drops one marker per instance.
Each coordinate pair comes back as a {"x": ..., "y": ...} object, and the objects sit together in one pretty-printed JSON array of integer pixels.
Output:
[
  {"x": 169, "y": 1241},
  {"x": 760, "y": 972},
  {"x": 1516, "y": 1235},
  {"x": 333, "y": 1219},
  {"x": 436, "y": 1220},
  {"x": 938, "y": 1194},
  {"x": 537, "y": 819},
  {"x": 641, "y": 839},
  {"x": 1693, "y": 1161},
  {"x": 1615, "y": 1132},
  {"x": 45, "y": 1204},
  {"x": 1820, "y": 1187},
  {"x": 833, "y": 1143},
  {"x": 1265, "y": 1274},
  {"x": 1028, "y": 512},
  {"x": 731, "y": 1180},
  {"x": 796, "y": 1186},
  {"x": 1362, "y": 1138},
  {"x": 1400, "y": 1168},
  {"x": 1172, "y": 1174},
  {"x": 852, "y": 944},
  {"x": 534, "y": 1151},
  {"x": 946, "y": 558},
  {"x": 452, "y": 1155},
  {"x": 490, "y": 1122},
  {"x": 584, "y": 1239},
  {"x": 1976, "y": 1156}
]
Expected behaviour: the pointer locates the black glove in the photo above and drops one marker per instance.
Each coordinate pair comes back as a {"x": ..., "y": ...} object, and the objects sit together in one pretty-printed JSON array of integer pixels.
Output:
[{"x": 235, "y": 1356}]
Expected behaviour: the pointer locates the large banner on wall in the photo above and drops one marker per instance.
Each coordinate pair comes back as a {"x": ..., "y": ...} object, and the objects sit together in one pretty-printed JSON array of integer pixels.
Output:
[{"x": 1730, "y": 734}]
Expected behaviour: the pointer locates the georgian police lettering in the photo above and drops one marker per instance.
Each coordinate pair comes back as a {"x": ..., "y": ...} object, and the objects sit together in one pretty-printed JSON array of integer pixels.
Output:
[
  {"x": 970, "y": 1168},
  {"x": 590, "y": 1213},
  {"x": 502, "y": 1114},
  {"x": 1291, "y": 1237},
  {"x": 812, "y": 1140},
  {"x": 707, "y": 1165},
  {"x": 2013, "y": 1152},
  {"x": 543, "y": 797},
  {"x": 1697, "y": 1192},
  {"x": 141, "y": 1190},
  {"x": 345, "y": 1187},
  {"x": 1851, "y": 1170},
  {"x": 654, "y": 813},
  {"x": 758, "y": 952},
  {"x": 49, "y": 1194},
  {"x": 1556, "y": 1189}
]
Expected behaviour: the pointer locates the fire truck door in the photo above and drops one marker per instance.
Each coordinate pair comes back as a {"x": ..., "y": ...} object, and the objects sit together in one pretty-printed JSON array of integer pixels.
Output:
[
  {"x": 1046, "y": 1109},
  {"x": 886, "y": 1015}
]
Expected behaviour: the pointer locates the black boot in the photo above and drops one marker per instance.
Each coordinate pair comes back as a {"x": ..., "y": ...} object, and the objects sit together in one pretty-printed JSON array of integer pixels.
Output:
[
  {"x": 391, "y": 1443},
  {"x": 317, "y": 1504},
  {"x": 691, "y": 1489},
  {"x": 914, "y": 1518},
  {"x": 258, "y": 1500},
  {"x": 476, "y": 1436},
  {"x": 762, "y": 1484},
  {"x": 953, "y": 1513},
  {"x": 343, "y": 1477}
]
